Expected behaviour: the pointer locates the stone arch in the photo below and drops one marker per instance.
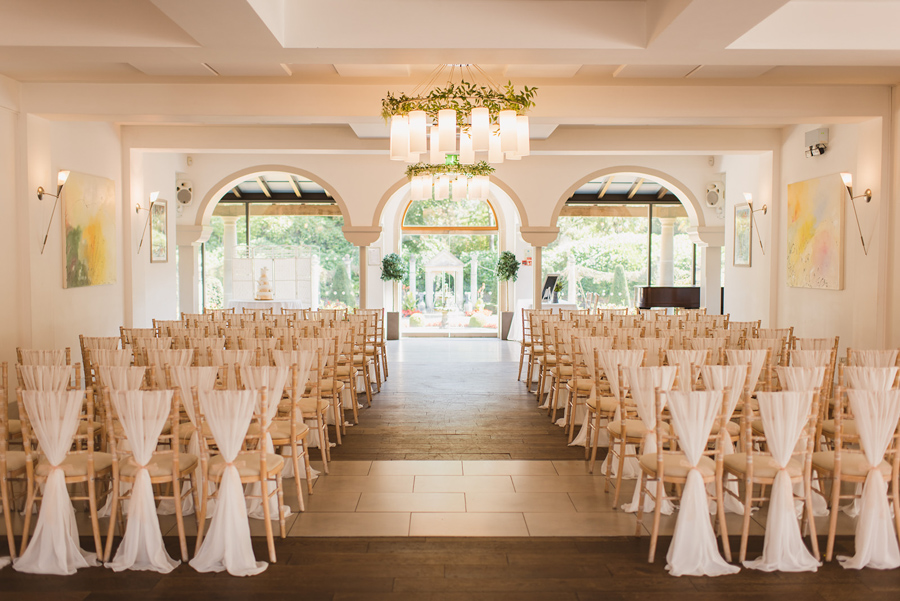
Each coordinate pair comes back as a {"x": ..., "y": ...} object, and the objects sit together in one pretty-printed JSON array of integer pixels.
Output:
[
  {"x": 211, "y": 199},
  {"x": 691, "y": 204}
]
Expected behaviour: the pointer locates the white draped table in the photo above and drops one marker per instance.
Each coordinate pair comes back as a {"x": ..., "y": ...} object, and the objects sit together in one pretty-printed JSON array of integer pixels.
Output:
[
  {"x": 515, "y": 329},
  {"x": 238, "y": 305}
]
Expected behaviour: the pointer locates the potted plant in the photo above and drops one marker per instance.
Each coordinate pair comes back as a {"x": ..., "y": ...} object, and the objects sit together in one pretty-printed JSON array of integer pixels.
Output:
[
  {"x": 392, "y": 271},
  {"x": 507, "y": 269}
]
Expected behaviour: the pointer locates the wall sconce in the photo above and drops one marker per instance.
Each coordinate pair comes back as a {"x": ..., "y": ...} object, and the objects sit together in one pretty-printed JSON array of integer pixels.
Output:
[
  {"x": 765, "y": 209},
  {"x": 61, "y": 178},
  {"x": 138, "y": 208},
  {"x": 848, "y": 181}
]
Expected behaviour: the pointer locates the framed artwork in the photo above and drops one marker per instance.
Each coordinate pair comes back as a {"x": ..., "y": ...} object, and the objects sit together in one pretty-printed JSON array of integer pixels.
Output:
[
  {"x": 743, "y": 228},
  {"x": 159, "y": 233},
  {"x": 373, "y": 256},
  {"x": 815, "y": 233},
  {"x": 549, "y": 285},
  {"x": 89, "y": 230}
]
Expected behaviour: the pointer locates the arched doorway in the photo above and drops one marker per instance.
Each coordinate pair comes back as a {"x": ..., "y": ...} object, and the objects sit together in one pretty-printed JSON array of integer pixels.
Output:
[
  {"x": 622, "y": 229},
  {"x": 285, "y": 221}
]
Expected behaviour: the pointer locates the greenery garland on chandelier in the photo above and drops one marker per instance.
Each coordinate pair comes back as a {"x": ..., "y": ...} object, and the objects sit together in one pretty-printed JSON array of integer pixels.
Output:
[
  {"x": 478, "y": 169},
  {"x": 462, "y": 98}
]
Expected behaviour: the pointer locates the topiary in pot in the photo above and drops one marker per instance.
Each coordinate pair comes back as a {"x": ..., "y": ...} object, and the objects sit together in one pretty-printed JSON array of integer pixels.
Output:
[
  {"x": 392, "y": 271},
  {"x": 507, "y": 269}
]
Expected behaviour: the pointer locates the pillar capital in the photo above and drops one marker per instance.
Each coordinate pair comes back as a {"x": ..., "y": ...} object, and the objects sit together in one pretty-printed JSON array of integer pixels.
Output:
[
  {"x": 539, "y": 236},
  {"x": 707, "y": 236},
  {"x": 192, "y": 235}
]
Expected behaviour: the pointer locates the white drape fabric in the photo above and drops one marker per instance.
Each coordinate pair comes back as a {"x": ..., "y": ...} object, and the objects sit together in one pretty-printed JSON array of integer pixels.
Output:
[
  {"x": 873, "y": 358},
  {"x": 870, "y": 378},
  {"x": 120, "y": 377},
  {"x": 288, "y": 358},
  {"x": 733, "y": 377},
  {"x": 609, "y": 362},
  {"x": 100, "y": 342},
  {"x": 876, "y": 414},
  {"x": 812, "y": 358},
  {"x": 42, "y": 357},
  {"x": 273, "y": 379},
  {"x": 54, "y": 547},
  {"x": 784, "y": 416},
  {"x": 159, "y": 358},
  {"x": 685, "y": 360},
  {"x": 111, "y": 357},
  {"x": 142, "y": 414},
  {"x": 47, "y": 378},
  {"x": 814, "y": 344},
  {"x": 756, "y": 359},
  {"x": 203, "y": 346},
  {"x": 302, "y": 360},
  {"x": 643, "y": 382},
  {"x": 187, "y": 378},
  {"x": 227, "y": 544},
  {"x": 222, "y": 357},
  {"x": 693, "y": 551}
]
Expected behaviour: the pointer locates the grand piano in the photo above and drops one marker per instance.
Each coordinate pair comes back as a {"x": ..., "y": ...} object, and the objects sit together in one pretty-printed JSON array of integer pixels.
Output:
[{"x": 683, "y": 297}]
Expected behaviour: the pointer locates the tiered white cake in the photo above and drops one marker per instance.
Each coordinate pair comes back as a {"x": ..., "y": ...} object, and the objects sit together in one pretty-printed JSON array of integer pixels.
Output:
[{"x": 263, "y": 287}]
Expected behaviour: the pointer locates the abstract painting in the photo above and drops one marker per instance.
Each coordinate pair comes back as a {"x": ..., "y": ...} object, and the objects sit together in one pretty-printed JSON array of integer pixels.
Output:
[
  {"x": 743, "y": 227},
  {"x": 815, "y": 233},
  {"x": 159, "y": 245},
  {"x": 89, "y": 230}
]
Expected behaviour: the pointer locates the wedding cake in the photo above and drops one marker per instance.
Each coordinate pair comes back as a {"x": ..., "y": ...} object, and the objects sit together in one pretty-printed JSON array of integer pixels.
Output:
[{"x": 263, "y": 287}]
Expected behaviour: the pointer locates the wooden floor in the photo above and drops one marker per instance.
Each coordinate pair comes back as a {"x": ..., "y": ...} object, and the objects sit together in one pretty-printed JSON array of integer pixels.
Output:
[
  {"x": 425, "y": 569},
  {"x": 454, "y": 399}
]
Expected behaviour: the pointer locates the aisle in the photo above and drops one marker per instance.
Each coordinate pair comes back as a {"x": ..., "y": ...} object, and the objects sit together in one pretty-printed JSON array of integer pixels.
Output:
[{"x": 454, "y": 399}]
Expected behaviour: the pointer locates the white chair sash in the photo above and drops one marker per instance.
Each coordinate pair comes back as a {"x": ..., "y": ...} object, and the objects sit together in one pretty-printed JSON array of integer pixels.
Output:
[
  {"x": 685, "y": 360},
  {"x": 643, "y": 382},
  {"x": 876, "y": 414},
  {"x": 756, "y": 359},
  {"x": 811, "y": 358},
  {"x": 42, "y": 357},
  {"x": 111, "y": 357},
  {"x": 784, "y": 416},
  {"x": 609, "y": 362},
  {"x": 227, "y": 544},
  {"x": 54, "y": 547},
  {"x": 870, "y": 378},
  {"x": 47, "y": 378},
  {"x": 693, "y": 551},
  {"x": 100, "y": 342},
  {"x": 121, "y": 378},
  {"x": 142, "y": 414},
  {"x": 873, "y": 358},
  {"x": 801, "y": 378},
  {"x": 222, "y": 357},
  {"x": 159, "y": 358}
]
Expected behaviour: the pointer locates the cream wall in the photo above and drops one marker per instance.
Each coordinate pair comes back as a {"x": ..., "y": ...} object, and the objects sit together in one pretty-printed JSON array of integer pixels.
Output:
[{"x": 9, "y": 207}]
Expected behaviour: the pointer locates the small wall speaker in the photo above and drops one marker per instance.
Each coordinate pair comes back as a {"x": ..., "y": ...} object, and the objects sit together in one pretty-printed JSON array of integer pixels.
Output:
[
  {"x": 715, "y": 193},
  {"x": 184, "y": 192}
]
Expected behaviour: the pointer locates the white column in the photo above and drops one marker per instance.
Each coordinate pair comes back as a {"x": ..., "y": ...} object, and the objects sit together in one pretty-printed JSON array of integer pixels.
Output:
[
  {"x": 667, "y": 251},
  {"x": 571, "y": 279},
  {"x": 363, "y": 275},
  {"x": 711, "y": 279},
  {"x": 189, "y": 278},
  {"x": 412, "y": 277},
  {"x": 473, "y": 278},
  {"x": 229, "y": 242},
  {"x": 429, "y": 290},
  {"x": 538, "y": 277}
]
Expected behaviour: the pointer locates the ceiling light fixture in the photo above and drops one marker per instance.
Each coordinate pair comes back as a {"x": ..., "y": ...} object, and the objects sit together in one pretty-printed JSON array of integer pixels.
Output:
[
  {"x": 471, "y": 120},
  {"x": 450, "y": 181}
]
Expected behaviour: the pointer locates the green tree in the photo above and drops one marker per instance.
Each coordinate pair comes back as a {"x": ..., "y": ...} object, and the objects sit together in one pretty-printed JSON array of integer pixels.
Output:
[
  {"x": 341, "y": 287},
  {"x": 620, "y": 294}
]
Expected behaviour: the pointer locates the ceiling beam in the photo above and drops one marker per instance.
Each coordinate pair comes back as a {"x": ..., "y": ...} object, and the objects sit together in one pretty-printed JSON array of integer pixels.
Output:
[
  {"x": 295, "y": 186},
  {"x": 604, "y": 187},
  {"x": 591, "y": 199},
  {"x": 264, "y": 185},
  {"x": 662, "y": 192},
  {"x": 236, "y": 191},
  {"x": 289, "y": 197},
  {"x": 635, "y": 187}
]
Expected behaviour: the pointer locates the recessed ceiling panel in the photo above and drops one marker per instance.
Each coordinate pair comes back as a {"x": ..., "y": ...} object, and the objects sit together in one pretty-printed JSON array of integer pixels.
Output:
[
  {"x": 373, "y": 70},
  {"x": 729, "y": 71},
  {"x": 653, "y": 71}
]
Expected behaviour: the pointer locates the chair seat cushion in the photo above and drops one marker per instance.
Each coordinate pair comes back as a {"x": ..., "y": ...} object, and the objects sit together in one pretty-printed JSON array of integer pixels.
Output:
[
  {"x": 580, "y": 384},
  {"x": 308, "y": 406},
  {"x": 607, "y": 404},
  {"x": 677, "y": 466},
  {"x": 15, "y": 427},
  {"x": 849, "y": 425},
  {"x": 634, "y": 428},
  {"x": 567, "y": 371},
  {"x": 281, "y": 430},
  {"x": 76, "y": 464},
  {"x": 15, "y": 460},
  {"x": 764, "y": 466},
  {"x": 852, "y": 464},
  {"x": 247, "y": 463},
  {"x": 186, "y": 429},
  {"x": 160, "y": 465}
]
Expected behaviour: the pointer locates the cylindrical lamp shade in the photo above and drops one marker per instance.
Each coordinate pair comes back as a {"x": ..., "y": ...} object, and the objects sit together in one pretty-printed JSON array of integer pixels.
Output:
[
  {"x": 495, "y": 155},
  {"x": 460, "y": 188},
  {"x": 509, "y": 131},
  {"x": 442, "y": 187},
  {"x": 466, "y": 151},
  {"x": 417, "y": 132},
  {"x": 523, "y": 138},
  {"x": 447, "y": 129},
  {"x": 416, "y": 189},
  {"x": 399, "y": 138},
  {"x": 481, "y": 129},
  {"x": 436, "y": 155}
]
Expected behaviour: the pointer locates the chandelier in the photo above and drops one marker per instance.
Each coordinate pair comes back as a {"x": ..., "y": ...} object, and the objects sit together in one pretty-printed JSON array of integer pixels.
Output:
[
  {"x": 450, "y": 181},
  {"x": 476, "y": 122}
]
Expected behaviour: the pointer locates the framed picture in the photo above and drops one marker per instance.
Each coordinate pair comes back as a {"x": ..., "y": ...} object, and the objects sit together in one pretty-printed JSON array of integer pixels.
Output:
[
  {"x": 815, "y": 233},
  {"x": 743, "y": 229},
  {"x": 549, "y": 285},
  {"x": 159, "y": 242},
  {"x": 373, "y": 256},
  {"x": 89, "y": 230}
]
